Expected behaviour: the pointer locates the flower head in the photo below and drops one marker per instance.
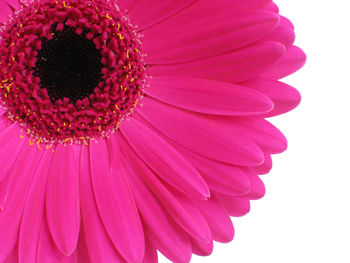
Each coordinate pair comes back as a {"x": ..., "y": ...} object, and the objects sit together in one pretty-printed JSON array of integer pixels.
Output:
[
  {"x": 71, "y": 70},
  {"x": 129, "y": 127}
]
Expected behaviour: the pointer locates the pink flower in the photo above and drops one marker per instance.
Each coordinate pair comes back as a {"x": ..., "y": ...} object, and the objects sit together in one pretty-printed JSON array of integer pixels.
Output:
[{"x": 130, "y": 126}]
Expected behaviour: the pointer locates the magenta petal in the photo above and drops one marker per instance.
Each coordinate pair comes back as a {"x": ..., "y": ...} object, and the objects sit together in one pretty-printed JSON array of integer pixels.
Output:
[
  {"x": 282, "y": 34},
  {"x": 146, "y": 13},
  {"x": 293, "y": 60},
  {"x": 99, "y": 246},
  {"x": 10, "y": 148},
  {"x": 6, "y": 9},
  {"x": 13, "y": 257},
  {"x": 83, "y": 255},
  {"x": 169, "y": 239},
  {"x": 190, "y": 130},
  {"x": 257, "y": 189},
  {"x": 181, "y": 214},
  {"x": 218, "y": 220},
  {"x": 235, "y": 206},
  {"x": 219, "y": 176},
  {"x": 181, "y": 39},
  {"x": 272, "y": 7},
  {"x": 73, "y": 258},
  {"x": 23, "y": 171},
  {"x": 208, "y": 96},
  {"x": 286, "y": 22},
  {"x": 236, "y": 66},
  {"x": 62, "y": 198},
  {"x": 164, "y": 159},
  {"x": 265, "y": 167},
  {"x": 202, "y": 8},
  {"x": 34, "y": 212},
  {"x": 47, "y": 249},
  {"x": 202, "y": 249},
  {"x": 197, "y": 217},
  {"x": 116, "y": 204},
  {"x": 257, "y": 129},
  {"x": 151, "y": 255},
  {"x": 284, "y": 97}
]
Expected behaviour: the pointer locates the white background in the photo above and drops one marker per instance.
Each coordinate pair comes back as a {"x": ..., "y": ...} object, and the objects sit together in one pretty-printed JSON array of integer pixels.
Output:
[{"x": 305, "y": 215}]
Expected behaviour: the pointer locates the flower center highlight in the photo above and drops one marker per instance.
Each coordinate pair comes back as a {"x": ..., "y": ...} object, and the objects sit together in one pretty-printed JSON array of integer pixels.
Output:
[{"x": 70, "y": 71}]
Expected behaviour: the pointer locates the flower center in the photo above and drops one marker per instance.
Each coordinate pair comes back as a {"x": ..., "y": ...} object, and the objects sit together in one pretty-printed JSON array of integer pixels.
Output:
[
  {"x": 69, "y": 65},
  {"x": 70, "y": 71}
]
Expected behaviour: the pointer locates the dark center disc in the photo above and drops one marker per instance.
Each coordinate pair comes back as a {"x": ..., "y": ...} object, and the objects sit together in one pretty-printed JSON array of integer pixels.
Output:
[{"x": 69, "y": 65}]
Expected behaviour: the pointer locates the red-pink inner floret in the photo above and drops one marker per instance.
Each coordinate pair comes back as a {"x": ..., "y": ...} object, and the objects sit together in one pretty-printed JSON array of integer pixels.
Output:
[{"x": 62, "y": 120}]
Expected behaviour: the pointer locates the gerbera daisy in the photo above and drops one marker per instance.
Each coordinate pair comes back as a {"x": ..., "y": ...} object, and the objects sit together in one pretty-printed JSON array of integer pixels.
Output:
[{"x": 131, "y": 126}]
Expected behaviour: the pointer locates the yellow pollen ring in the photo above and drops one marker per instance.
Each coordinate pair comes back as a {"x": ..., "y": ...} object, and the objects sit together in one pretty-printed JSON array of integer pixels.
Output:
[
  {"x": 48, "y": 146},
  {"x": 65, "y": 5},
  {"x": 108, "y": 17}
]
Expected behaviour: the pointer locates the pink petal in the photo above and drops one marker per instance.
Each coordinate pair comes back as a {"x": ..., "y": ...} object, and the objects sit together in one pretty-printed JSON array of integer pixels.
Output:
[
  {"x": 235, "y": 206},
  {"x": 190, "y": 130},
  {"x": 13, "y": 257},
  {"x": 236, "y": 66},
  {"x": 293, "y": 60},
  {"x": 99, "y": 246},
  {"x": 286, "y": 22},
  {"x": 183, "y": 39},
  {"x": 220, "y": 177},
  {"x": 185, "y": 217},
  {"x": 47, "y": 249},
  {"x": 5, "y": 122},
  {"x": 83, "y": 255},
  {"x": 168, "y": 238},
  {"x": 202, "y": 249},
  {"x": 164, "y": 160},
  {"x": 257, "y": 129},
  {"x": 11, "y": 145},
  {"x": 146, "y": 13},
  {"x": 151, "y": 255},
  {"x": 203, "y": 8},
  {"x": 284, "y": 97},
  {"x": 73, "y": 258},
  {"x": 197, "y": 217},
  {"x": 265, "y": 167},
  {"x": 272, "y": 7},
  {"x": 218, "y": 220},
  {"x": 10, "y": 218},
  {"x": 114, "y": 153},
  {"x": 282, "y": 34},
  {"x": 5, "y": 7},
  {"x": 208, "y": 96},
  {"x": 62, "y": 198},
  {"x": 34, "y": 212},
  {"x": 257, "y": 186},
  {"x": 116, "y": 204}
]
